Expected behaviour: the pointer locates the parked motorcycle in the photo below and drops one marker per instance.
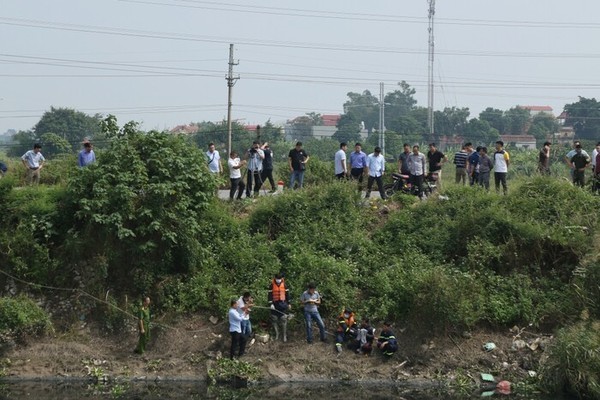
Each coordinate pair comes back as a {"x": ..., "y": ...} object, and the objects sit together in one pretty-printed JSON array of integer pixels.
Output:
[{"x": 401, "y": 184}]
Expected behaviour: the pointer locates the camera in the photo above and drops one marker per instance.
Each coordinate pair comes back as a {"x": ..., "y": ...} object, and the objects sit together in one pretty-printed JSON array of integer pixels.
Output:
[{"x": 252, "y": 150}]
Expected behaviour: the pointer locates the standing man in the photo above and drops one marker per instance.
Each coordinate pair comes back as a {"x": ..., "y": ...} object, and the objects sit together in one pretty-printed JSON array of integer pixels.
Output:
[
  {"x": 311, "y": 299},
  {"x": 143, "y": 326},
  {"x": 33, "y": 160},
  {"x": 279, "y": 301},
  {"x": 297, "y": 159},
  {"x": 461, "y": 159},
  {"x": 417, "y": 167},
  {"x": 376, "y": 168},
  {"x": 213, "y": 158},
  {"x": 341, "y": 169},
  {"x": 238, "y": 340},
  {"x": 579, "y": 163},
  {"x": 436, "y": 159},
  {"x": 255, "y": 158},
  {"x": 474, "y": 166},
  {"x": 358, "y": 164},
  {"x": 485, "y": 166},
  {"x": 403, "y": 160},
  {"x": 86, "y": 156},
  {"x": 501, "y": 163},
  {"x": 268, "y": 167},
  {"x": 244, "y": 303},
  {"x": 571, "y": 153},
  {"x": 596, "y": 168},
  {"x": 544, "y": 159},
  {"x": 235, "y": 175}
]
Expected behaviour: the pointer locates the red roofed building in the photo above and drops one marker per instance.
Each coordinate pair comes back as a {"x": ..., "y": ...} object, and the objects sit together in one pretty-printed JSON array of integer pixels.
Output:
[
  {"x": 519, "y": 141},
  {"x": 330, "y": 119},
  {"x": 535, "y": 110}
]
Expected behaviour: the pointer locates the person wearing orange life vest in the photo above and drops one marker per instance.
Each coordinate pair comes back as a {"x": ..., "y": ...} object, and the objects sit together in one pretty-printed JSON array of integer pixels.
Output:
[
  {"x": 346, "y": 329},
  {"x": 279, "y": 301}
]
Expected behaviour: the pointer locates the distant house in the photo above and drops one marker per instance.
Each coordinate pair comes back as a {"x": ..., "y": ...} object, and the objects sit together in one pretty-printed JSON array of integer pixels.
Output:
[
  {"x": 329, "y": 126},
  {"x": 519, "y": 141},
  {"x": 184, "y": 129},
  {"x": 565, "y": 135},
  {"x": 535, "y": 110}
]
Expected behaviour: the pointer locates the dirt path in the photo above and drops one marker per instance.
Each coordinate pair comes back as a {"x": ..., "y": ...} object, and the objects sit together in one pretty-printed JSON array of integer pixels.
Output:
[{"x": 183, "y": 353}]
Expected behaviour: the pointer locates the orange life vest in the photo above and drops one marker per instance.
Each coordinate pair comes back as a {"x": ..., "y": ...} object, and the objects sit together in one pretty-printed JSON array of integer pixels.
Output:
[
  {"x": 278, "y": 290},
  {"x": 349, "y": 322}
]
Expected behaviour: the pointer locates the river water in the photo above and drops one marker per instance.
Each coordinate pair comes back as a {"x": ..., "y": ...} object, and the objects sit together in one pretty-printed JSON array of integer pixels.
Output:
[{"x": 278, "y": 391}]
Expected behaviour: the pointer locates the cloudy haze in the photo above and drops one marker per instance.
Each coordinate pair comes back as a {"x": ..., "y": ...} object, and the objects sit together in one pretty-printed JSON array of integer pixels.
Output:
[{"x": 163, "y": 62}]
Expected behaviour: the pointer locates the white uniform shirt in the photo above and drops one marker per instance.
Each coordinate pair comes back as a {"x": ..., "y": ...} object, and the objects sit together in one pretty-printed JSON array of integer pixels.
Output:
[
  {"x": 213, "y": 161},
  {"x": 376, "y": 165},
  {"x": 234, "y": 173},
  {"x": 340, "y": 159}
]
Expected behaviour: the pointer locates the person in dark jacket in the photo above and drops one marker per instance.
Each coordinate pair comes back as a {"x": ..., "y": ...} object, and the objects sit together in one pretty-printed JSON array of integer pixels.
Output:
[
  {"x": 387, "y": 342},
  {"x": 346, "y": 329}
]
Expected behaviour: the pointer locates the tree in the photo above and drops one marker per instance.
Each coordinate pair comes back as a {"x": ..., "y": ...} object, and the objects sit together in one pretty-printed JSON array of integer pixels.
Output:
[
  {"x": 517, "y": 120},
  {"x": 495, "y": 118},
  {"x": 584, "y": 117},
  {"x": 480, "y": 132},
  {"x": 270, "y": 133},
  {"x": 451, "y": 121},
  {"x": 316, "y": 118},
  {"x": 141, "y": 205},
  {"x": 52, "y": 144},
  {"x": 69, "y": 124},
  {"x": 24, "y": 140},
  {"x": 543, "y": 125},
  {"x": 348, "y": 129},
  {"x": 301, "y": 127},
  {"x": 399, "y": 103},
  {"x": 363, "y": 107}
]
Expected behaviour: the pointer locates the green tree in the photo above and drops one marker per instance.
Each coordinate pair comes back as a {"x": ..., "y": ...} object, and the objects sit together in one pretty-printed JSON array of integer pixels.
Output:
[
  {"x": 141, "y": 206},
  {"x": 494, "y": 117},
  {"x": 399, "y": 103},
  {"x": 363, "y": 107},
  {"x": 301, "y": 127},
  {"x": 348, "y": 129},
  {"x": 584, "y": 116},
  {"x": 543, "y": 125},
  {"x": 517, "y": 120},
  {"x": 480, "y": 132},
  {"x": 23, "y": 141},
  {"x": 69, "y": 124},
  {"x": 451, "y": 121},
  {"x": 52, "y": 144}
]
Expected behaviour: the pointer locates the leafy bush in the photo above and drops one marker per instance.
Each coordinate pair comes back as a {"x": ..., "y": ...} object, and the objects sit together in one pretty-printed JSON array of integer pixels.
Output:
[
  {"x": 573, "y": 362},
  {"x": 21, "y": 316}
]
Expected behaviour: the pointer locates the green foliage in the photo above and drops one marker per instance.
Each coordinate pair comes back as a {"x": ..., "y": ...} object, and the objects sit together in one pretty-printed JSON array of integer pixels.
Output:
[
  {"x": 226, "y": 370},
  {"x": 573, "y": 362},
  {"x": 21, "y": 316},
  {"x": 142, "y": 203},
  {"x": 73, "y": 126},
  {"x": 52, "y": 144}
]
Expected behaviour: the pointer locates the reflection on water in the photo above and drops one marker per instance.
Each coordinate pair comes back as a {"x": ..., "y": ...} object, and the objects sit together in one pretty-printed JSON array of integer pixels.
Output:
[{"x": 195, "y": 390}]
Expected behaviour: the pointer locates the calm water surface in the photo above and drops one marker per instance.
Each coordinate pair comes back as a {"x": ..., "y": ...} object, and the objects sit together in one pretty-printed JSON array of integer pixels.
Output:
[{"x": 279, "y": 391}]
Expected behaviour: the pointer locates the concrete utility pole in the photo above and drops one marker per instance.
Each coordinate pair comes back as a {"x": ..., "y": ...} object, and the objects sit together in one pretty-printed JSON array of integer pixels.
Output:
[
  {"x": 381, "y": 119},
  {"x": 230, "y": 82},
  {"x": 430, "y": 122}
]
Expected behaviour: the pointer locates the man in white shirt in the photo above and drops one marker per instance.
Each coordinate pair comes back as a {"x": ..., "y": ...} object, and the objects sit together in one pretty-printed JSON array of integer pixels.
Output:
[
  {"x": 417, "y": 165},
  {"x": 341, "y": 169},
  {"x": 33, "y": 160},
  {"x": 213, "y": 158},
  {"x": 235, "y": 175},
  {"x": 594, "y": 154},
  {"x": 376, "y": 166}
]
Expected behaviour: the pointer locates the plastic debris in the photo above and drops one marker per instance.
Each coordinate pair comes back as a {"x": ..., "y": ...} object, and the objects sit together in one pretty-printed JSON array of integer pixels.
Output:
[
  {"x": 503, "y": 387},
  {"x": 487, "y": 377},
  {"x": 489, "y": 346}
]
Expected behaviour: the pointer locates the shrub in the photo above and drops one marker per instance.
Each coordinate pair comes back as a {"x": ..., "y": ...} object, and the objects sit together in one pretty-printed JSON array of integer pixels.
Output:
[
  {"x": 573, "y": 362},
  {"x": 21, "y": 317}
]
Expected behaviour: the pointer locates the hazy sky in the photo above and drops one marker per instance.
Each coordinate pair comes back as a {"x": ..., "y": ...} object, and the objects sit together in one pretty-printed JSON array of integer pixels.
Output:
[{"x": 163, "y": 62}]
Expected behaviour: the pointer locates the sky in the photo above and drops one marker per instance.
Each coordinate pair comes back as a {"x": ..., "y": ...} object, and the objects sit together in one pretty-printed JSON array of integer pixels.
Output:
[{"x": 164, "y": 62}]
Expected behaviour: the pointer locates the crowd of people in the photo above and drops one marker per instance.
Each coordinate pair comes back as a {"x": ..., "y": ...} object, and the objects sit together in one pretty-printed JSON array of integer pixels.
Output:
[{"x": 358, "y": 337}]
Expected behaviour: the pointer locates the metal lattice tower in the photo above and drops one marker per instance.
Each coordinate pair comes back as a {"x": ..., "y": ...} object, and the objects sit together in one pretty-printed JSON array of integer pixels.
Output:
[{"x": 430, "y": 122}]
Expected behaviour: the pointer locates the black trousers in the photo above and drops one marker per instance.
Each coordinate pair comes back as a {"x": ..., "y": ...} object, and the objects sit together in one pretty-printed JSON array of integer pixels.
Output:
[
  {"x": 253, "y": 176},
  {"x": 500, "y": 178},
  {"x": 358, "y": 173},
  {"x": 237, "y": 341},
  {"x": 417, "y": 183},
  {"x": 268, "y": 174},
  {"x": 379, "y": 181},
  {"x": 236, "y": 183}
]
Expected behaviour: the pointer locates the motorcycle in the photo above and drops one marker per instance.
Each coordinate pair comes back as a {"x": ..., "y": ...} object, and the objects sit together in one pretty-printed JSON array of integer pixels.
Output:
[{"x": 402, "y": 185}]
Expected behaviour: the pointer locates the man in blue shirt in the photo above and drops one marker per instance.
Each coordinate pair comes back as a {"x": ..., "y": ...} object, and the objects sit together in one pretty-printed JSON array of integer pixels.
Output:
[
  {"x": 86, "y": 156},
  {"x": 358, "y": 164},
  {"x": 235, "y": 330},
  {"x": 473, "y": 166}
]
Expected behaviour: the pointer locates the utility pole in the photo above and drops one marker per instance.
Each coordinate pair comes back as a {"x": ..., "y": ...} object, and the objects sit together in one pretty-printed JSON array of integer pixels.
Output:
[
  {"x": 430, "y": 122},
  {"x": 381, "y": 119},
  {"x": 230, "y": 82}
]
